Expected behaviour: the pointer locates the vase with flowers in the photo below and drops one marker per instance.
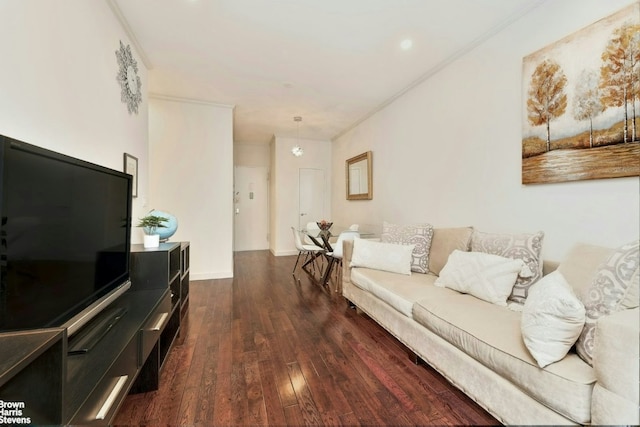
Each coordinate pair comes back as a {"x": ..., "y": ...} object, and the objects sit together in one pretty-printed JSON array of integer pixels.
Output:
[{"x": 324, "y": 225}]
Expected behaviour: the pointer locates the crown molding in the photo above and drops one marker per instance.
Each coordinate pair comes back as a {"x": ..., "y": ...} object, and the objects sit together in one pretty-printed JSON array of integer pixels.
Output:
[
  {"x": 113, "y": 5},
  {"x": 162, "y": 97}
]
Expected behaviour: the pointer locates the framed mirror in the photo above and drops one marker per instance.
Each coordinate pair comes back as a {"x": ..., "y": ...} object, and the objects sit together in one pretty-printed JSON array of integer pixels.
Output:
[{"x": 359, "y": 177}]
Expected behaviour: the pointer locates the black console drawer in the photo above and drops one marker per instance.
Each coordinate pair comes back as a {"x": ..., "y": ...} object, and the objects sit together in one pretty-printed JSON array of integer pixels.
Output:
[
  {"x": 153, "y": 327},
  {"x": 104, "y": 401}
]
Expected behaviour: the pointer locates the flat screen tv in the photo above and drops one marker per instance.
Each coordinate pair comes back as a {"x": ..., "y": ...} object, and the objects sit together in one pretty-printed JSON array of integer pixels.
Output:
[{"x": 65, "y": 236}]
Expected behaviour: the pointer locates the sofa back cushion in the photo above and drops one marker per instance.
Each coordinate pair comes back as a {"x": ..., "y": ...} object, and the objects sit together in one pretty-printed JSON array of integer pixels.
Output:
[
  {"x": 580, "y": 265},
  {"x": 549, "y": 266},
  {"x": 444, "y": 242}
]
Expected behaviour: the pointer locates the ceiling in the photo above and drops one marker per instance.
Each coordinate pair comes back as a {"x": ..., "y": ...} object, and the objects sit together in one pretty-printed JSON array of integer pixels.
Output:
[{"x": 332, "y": 62}]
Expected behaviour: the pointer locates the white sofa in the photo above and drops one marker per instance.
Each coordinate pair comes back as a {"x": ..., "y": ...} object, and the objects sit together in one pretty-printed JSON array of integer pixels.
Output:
[{"x": 479, "y": 348}]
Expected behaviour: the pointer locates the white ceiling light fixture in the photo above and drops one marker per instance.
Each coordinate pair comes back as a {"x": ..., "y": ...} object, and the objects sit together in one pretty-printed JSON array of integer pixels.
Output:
[
  {"x": 297, "y": 150},
  {"x": 406, "y": 44}
]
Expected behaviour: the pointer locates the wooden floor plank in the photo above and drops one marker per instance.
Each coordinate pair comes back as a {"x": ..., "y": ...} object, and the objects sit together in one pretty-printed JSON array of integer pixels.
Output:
[
  {"x": 271, "y": 348},
  {"x": 255, "y": 398},
  {"x": 308, "y": 408},
  {"x": 273, "y": 407},
  {"x": 293, "y": 416}
]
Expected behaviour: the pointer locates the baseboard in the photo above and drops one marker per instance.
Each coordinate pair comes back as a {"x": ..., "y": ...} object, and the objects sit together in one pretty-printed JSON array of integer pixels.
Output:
[
  {"x": 284, "y": 253},
  {"x": 211, "y": 275}
]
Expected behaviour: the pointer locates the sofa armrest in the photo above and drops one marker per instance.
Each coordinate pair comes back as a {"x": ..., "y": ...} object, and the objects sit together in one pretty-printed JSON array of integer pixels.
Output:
[{"x": 616, "y": 365}]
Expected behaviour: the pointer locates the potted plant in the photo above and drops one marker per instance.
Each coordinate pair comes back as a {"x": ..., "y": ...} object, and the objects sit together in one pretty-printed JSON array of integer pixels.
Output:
[{"x": 150, "y": 225}]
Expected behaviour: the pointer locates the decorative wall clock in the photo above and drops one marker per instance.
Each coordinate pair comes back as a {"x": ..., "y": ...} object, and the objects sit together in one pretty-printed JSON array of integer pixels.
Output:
[{"x": 130, "y": 85}]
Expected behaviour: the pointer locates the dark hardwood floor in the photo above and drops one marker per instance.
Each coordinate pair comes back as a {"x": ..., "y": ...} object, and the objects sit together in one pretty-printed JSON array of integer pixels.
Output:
[{"x": 266, "y": 349}]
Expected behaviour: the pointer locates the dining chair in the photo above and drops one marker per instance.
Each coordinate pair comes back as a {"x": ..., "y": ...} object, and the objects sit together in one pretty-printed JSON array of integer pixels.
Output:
[
  {"x": 307, "y": 250},
  {"x": 311, "y": 226},
  {"x": 336, "y": 255}
]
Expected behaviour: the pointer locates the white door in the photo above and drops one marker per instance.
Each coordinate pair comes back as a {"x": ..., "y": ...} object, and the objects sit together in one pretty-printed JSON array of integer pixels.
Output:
[
  {"x": 251, "y": 207},
  {"x": 312, "y": 194}
]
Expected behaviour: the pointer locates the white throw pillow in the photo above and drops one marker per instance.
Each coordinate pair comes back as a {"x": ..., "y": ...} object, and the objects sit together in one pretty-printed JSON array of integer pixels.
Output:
[
  {"x": 524, "y": 246},
  {"x": 419, "y": 235},
  {"x": 382, "y": 256},
  {"x": 488, "y": 277},
  {"x": 552, "y": 319}
]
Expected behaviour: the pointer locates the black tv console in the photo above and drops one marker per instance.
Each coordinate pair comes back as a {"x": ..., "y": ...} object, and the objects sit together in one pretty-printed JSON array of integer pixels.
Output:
[
  {"x": 41, "y": 382},
  {"x": 93, "y": 333}
]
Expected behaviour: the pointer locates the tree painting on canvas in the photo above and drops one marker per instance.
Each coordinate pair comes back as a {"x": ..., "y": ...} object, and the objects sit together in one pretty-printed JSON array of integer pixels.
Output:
[{"x": 582, "y": 102}]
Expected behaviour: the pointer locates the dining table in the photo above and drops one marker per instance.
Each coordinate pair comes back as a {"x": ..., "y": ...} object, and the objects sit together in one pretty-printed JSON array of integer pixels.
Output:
[{"x": 325, "y": 238}]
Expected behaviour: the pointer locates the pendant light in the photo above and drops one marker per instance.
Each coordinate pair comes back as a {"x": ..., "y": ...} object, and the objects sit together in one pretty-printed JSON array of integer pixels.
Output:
[{"x": 297, "y": 150}]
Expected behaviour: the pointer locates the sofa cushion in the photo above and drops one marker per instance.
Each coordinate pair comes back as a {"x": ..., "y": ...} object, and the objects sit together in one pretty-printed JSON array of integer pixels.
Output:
[
  {"x": 617, "y": 353},
  {"x": 580, "y": 265},
  {"x": 381, "y": 256},
  {"x": 615, "y": 278},
  {"x": 491, "y": 334},
  {"x": 526, "y": 247},
  {"x": 419, "y": 235},
  {"x": 445, "y": 241},
  {"x": 552, "y": 319},
  {"x": 397, "y": 290},
  {"x": 485, "y": 276}
]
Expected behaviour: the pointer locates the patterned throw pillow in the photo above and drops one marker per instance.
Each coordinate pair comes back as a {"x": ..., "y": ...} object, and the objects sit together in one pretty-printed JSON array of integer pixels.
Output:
[
  {"x": 615, "y": 279},
  {"x": 419, "y": 235},
  {"x": 526, "y": 247}
]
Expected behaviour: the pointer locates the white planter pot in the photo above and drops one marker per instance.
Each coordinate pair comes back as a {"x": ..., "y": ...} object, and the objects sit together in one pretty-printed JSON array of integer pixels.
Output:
[{"x": 151, "y": 241}]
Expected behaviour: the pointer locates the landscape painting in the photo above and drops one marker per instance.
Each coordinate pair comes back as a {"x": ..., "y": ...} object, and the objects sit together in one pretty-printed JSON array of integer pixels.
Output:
[{"x": 582, "y": 101}]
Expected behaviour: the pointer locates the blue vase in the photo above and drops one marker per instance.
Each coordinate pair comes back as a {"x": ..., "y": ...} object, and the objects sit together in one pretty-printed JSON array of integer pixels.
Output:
[{"x": 170, "y": 227}]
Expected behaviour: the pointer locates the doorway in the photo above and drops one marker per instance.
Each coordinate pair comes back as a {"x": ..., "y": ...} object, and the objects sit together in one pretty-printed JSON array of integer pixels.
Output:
[{"x": 251, "y": 208}]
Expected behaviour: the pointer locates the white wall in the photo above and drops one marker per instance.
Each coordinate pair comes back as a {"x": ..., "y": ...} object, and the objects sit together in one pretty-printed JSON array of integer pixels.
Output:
[
  {"x": 191, "y": 177},
  {"x": 284, "y": 187},
  {"x": 253, "y": 155},
  {"x": 58, "y": 87},
  {"x": 448, "y": 151}
]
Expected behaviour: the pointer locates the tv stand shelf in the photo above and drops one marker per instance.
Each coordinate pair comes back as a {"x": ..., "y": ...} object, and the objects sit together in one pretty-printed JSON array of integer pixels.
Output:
[
  {"x": 53, "y": 387},
  {"x": 27, "y": 361},
  {"x": 48, "y": 385},
  {"x": 91, "y": 377}
]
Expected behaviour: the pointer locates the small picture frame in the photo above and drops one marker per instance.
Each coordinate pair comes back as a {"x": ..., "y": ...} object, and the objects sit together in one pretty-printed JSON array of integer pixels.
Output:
[{"x": 131, "y": 167}]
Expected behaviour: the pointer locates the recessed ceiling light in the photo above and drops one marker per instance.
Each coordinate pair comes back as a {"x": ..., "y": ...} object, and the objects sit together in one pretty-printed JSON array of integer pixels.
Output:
[{"x": 406, "y": 44}]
